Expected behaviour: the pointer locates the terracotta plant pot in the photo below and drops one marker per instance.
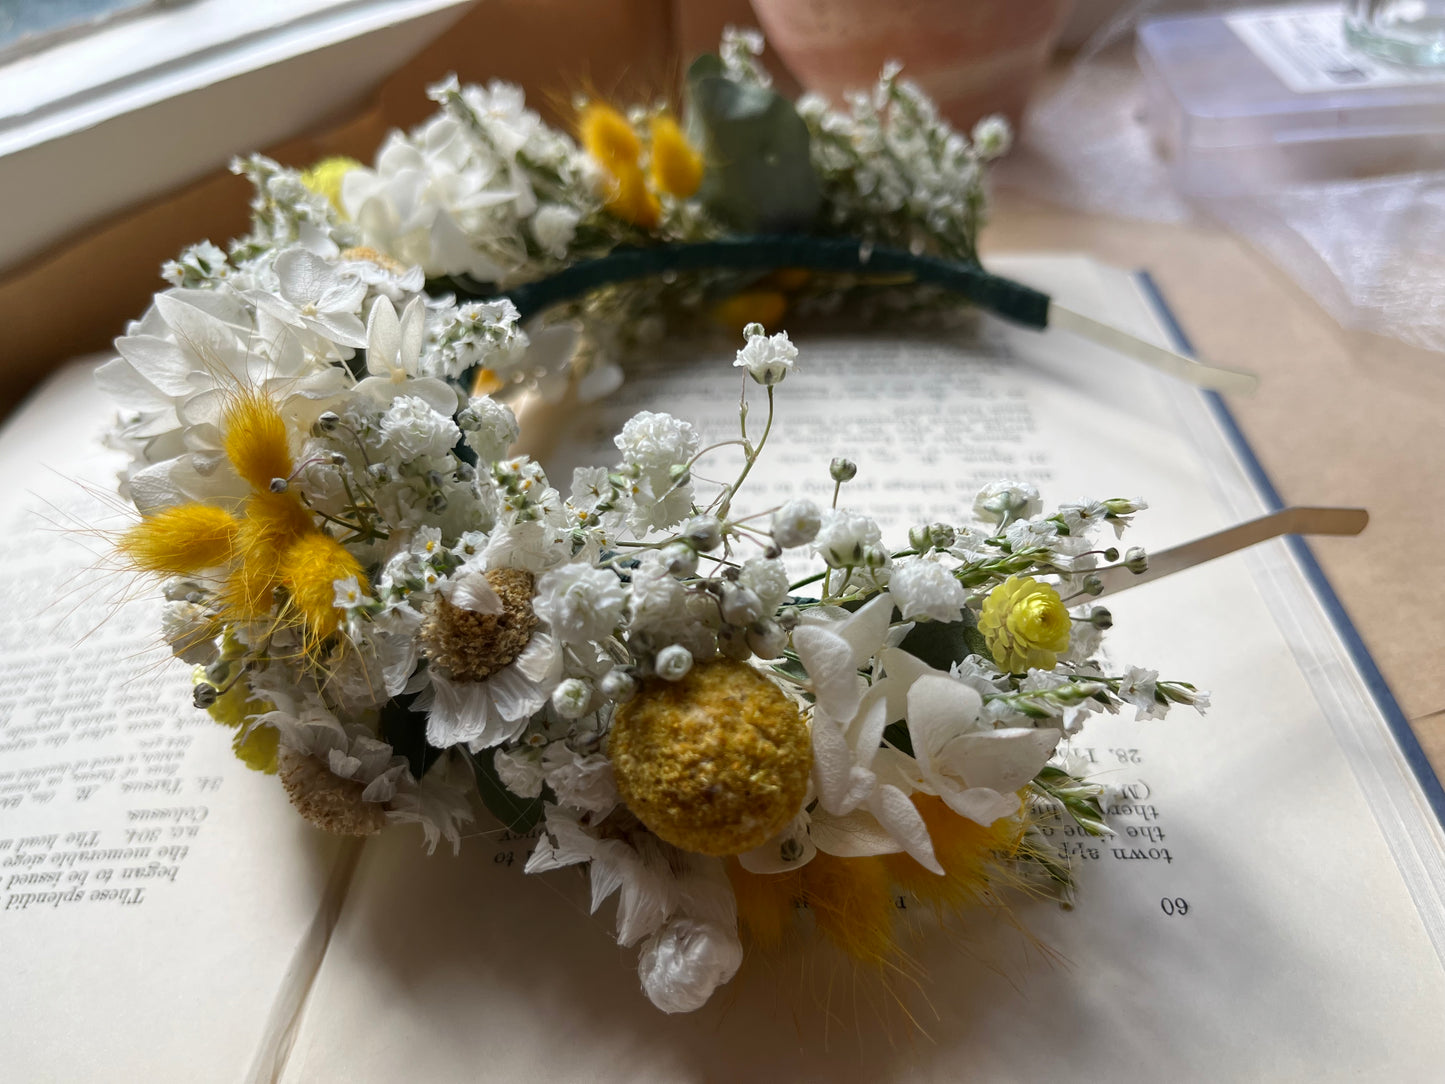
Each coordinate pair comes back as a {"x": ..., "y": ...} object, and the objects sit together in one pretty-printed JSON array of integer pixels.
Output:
[{"x": 973, "y": 57}]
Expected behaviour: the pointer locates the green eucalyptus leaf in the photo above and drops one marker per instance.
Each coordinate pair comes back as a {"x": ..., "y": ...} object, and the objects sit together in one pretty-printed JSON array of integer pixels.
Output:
[
  {"x": 942, "y": 643},
  {"x": 759, "y": 175}
]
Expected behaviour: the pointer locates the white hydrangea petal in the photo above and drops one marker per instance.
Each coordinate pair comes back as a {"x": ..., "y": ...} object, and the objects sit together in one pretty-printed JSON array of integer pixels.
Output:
[
  {"x": 841, "y": 784},
  {"x": 898, "y": 815},
  {"x": 854, "y": 835},
  {"x": 1002, "y": 760},
  {"x": 939, "y": 709},
  {"x": 828, "y": 659},
  {"x": 979, "y": 804}
]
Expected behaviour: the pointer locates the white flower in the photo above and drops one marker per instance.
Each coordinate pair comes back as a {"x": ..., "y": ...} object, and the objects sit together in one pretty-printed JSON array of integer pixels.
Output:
[
  {"x": 653, "y": 444},
  {"x": 846, "y": 538},
  {"x": 495, "y": 709},
  {"x": 924, "y": 588},
  {"x": 348, "y": 594},
  {"x": 580, "y": 603},
  {"x": 683, "y": 964},
  {"x": 998, "y": 501},
  {"x": 572, "y": 698},
  {"x": 490, "y": 428},
  {"x": 767, "y": 579},
  {"x": 992, "y": 137},
  {"x": 393, "y": 353},
  {"x": 1137, "y": 687},
  {"x": 860, "y": 812},
  {"x": 768, "y": 359},
  {"x": 796, "y": 523},
  {"x": 580, "y": 782},
  {"x": 832, "y": 654},
  {"x": 974, "y": 769},
  {"x": 413, "y": 429},
  {"x": 520, "y": 771},
  {"x": 313, "y": 296},
  {"x": 554, "y": 226}
]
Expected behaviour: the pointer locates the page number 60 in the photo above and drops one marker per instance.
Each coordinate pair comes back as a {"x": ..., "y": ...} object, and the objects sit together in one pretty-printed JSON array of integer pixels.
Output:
[{"x": 1177, "y": 905}]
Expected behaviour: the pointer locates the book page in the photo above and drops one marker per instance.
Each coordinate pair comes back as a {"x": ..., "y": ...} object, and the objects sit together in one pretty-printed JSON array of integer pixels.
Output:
[
  {"x": 1247, "y": 921},
  {"x": 159, "y": 903}
]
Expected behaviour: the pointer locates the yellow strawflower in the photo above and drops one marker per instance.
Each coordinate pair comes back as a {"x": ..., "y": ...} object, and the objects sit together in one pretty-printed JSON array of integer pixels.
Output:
[
  {"x": 1025, "y": 625},
  {"x": 325, "y": 177},
  {"x": 676, "y": 165}
]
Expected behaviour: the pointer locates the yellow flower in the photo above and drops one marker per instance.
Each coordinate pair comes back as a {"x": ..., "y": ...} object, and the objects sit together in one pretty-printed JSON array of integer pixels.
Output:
[
  {"x": 1025, "y": 625},
  {"x": 324, "y": 178},
  {"x": 632, "y": 201},
  {"x": 766, "y": 307},
  {"x": 609, "y": 138},
  {"x": 179, "y": 541},
  {"x": 676, "y": 166},
  {"x": 715, "y": 763}
]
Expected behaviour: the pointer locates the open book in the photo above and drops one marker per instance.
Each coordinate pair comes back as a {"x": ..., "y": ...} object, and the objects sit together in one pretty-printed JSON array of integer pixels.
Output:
[{"x": 1269, "y": 908}]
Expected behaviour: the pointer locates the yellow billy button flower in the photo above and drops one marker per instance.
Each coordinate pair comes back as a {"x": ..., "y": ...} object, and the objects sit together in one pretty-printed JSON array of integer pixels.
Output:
[
  {"x": 715, "y": 763},
  {"x": 676, "y": 165},
  {"x": 325, "y": 177},
  {"x": 1025, "y": 625}
]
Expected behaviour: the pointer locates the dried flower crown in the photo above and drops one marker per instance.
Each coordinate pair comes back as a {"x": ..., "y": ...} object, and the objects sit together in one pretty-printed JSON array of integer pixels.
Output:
[{"x": 396, "y": 617}]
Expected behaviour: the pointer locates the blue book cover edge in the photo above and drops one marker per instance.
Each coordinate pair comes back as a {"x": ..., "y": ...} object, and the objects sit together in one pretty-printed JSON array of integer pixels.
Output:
[{"x": 1359, "y": 654}]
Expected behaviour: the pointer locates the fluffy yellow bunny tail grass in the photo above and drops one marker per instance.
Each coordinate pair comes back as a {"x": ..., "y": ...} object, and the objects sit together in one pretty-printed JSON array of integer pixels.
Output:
[
  {"x": 181, "y": 541},
  {"x": 968, "y": 852},
  {"x": 852, "y": 905},
  {"x": 766, "y": 902},
  {"x": 256, "y": 440},
  {"x": 309, "y": 569},
  {"x": 676, "y": 166},
  {"x": 608, "y": 137},
  {"x": 270, "y": 524}
]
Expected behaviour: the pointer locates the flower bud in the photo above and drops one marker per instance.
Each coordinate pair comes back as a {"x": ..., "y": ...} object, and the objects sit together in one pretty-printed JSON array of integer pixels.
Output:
[
  {"x": 680, "y": 558},
  {"x": 1136, "y": 560},
  {"x": 796, "y": 523},
  {"x": 740, "y": 605},
  {"x": 842, "y": 470},
  {"x": 703, "y": 532},
  {"x": 617, "y": 685},
  {"x": 571, "y": 698},
  {"x": 767, "y": 639},
  {"x": 1101, "y": 618},
  {"x": 673, "y": 662},
  {"x": 204, "y": 695}
]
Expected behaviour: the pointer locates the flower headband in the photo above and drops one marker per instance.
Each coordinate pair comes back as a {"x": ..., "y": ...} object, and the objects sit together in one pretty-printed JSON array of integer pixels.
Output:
[{"x": 396, "y": 617}]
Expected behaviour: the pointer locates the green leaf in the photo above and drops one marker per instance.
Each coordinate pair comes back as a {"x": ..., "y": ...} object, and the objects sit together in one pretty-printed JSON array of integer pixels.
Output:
[
  {"x": 760, "y": 174},
  {"x": 896, "y": 735},
  {"x": 519, "y": 815},
  {"x": 405, "y": 731},
  {"x": 941, "y": 644}
]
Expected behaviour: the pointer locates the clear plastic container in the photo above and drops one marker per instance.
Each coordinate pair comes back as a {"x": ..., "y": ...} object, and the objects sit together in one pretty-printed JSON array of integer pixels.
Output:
[{"x": 1258, "y": 100}]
